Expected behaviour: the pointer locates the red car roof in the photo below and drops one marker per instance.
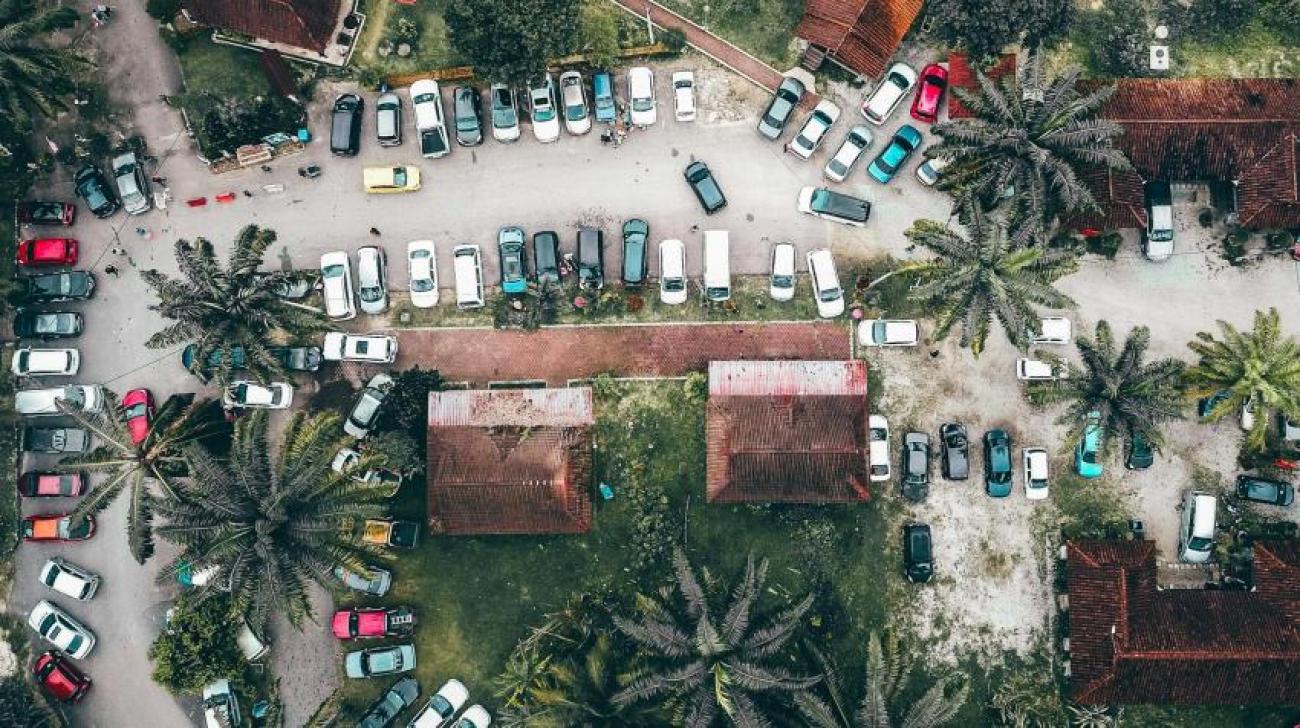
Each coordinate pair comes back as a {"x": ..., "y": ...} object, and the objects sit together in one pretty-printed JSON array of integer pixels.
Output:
[
  {"x": 58, "y": 251},
  {"x": 138, "y": 426},
  {"x": 934, "y": 79},
  {"x": 53, "y": 484},
  {"x": 59, "y": 678},
  {"x": 370, "y": 622}
]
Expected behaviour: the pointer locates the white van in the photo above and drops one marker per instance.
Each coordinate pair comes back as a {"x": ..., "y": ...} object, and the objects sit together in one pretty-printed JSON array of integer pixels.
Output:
[
  {"x": 672, "y": 272},
  {"x": 826, "y": 283},
  {"x": 717, "y": 265},
  {"x": 1196, "y": 536},
  {"x": 468, "y": 266}
]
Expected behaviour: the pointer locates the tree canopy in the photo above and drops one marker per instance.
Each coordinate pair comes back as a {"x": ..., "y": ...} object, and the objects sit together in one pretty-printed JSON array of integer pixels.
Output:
[
  {"x": 512, "y": 41},
  {"x": 983, "y": 28}
]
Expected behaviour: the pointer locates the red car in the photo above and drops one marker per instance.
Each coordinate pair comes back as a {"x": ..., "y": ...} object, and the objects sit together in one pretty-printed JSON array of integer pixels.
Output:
[
  {"x": 373, "y": 622},
  {"x": 934, "y": 80},
  {"x": 45, "y": 212},
  {"x": 36, "y": 484},
  {"x": 57, "y": 527},
  {"x": 60, "y": 678},
  {"x": 47, "y": 251},
  {"x": 137, "y": 406}
]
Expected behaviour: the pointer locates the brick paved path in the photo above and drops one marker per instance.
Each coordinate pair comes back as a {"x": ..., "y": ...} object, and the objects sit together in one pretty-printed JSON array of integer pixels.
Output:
[{"x": 562, "y": 353}]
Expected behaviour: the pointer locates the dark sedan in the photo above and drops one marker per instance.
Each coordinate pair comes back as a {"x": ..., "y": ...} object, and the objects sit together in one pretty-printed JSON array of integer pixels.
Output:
[
  {"x": 997, "y": 463},
  {"x": 46, "y": 212},
  {"x": 467, "y": 110},
  {"x": 47, "y": 324},
  {"x": 591, "y": 259},
  {"x": 705, "y": 186},
  {"x": 1265, "y": 490},
  {"x": 636, "y": 243},
  {"x": 546, "y": 256},
  {"x": 398, "y": 698},
  {"x": 956, "y": 451},
  {"x": 72, "y": 285},
  {"x": 916, "y": 466},
  {"x": 918, "y": 553},
  {"x": 92, "y": 187}
]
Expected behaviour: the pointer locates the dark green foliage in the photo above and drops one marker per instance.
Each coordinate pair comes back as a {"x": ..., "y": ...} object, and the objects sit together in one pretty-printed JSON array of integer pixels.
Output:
[
  {"x": 20, "y": 707},
  {"x": 1234, "y": 247},
  {"x": 234, "y": 124},
  {"x": 1281, "y": 13},
  {"x": 15, "y": 175},
  {"x": 198, "y": 646},
  {"x": 1106, "y": 245},
  {"x": 1119, "y": 38},
  {"x": 34, "y": 76},
  {"x": 512, "y": 41},
  {"x": 406, "y": 408},
  {"x": 982, "y": 28},
  {"x": 673, "y": 38},
  {"x": 1217, "y": 18},
  {"x": 598, "y": 33},
  {"x": 162, "y": 10}
]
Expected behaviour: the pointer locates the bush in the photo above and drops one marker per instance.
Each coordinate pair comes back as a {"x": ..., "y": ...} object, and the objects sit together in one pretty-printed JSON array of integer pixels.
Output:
[
  {"x": 162, "y": 10},
  {"x": 1106, "y": 245},
  {"x": 198, "y": 646},
  {"x": 232, "y": 125},
  {"x": 1118, "y": 38},
  {"x": 983, "y": 27},
  {"x": 406, "y": 408},
  {"x": 674, "y": 39},
  {"x": 1217, "y": 18},
  {"x": 1234, "y": 247}
]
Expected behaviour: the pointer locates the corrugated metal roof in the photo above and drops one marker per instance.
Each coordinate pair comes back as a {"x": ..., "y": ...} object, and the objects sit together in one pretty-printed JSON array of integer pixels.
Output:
[
  {"x": 787, "y": 378},
  {"x": 511, "y": 407}
]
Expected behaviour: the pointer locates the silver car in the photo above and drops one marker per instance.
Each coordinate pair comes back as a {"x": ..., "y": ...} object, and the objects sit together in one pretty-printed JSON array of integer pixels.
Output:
[
  {"x": 573, "y": 97},
  {"x": 505, "y": 113},
  {"x": 365, "y": 411},
  {"x": 388, "y": 119},
  {"x": 132, "y": 185},
  {"x": 372, "y": 275}
]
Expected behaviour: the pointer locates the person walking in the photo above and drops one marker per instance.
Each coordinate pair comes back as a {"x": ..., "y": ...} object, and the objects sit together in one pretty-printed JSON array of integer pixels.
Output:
[
  {"x": 374, "y": 231},
  {"x": 111, "y": 270},
  {"x": 118, "y": 250}
]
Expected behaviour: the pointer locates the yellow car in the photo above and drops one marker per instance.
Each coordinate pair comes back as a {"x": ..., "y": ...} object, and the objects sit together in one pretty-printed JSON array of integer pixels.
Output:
[{"x": 382, "y": 180}]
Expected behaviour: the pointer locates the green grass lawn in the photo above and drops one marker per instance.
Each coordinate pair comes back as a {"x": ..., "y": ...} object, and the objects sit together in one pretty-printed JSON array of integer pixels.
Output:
[
  {"x": 223, "y": 71},
  {"x": 764, "y": 28},
  {"x": 430, "y": 50}
]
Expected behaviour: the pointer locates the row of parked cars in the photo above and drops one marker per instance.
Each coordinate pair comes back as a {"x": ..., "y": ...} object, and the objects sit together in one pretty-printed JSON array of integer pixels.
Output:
[{"x": 443, "y": 710}]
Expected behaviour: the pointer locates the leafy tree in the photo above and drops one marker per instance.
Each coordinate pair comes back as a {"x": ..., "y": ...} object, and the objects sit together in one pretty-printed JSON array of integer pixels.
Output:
[
  {"x": 271, "y": 523},
  {"x": 1132, "y": 396},
  {"x": 1218, "y": 18},
  {"x": 598, "y": 33},
  {"x": 162, "y": 10},
  {"x": 395, "y": 450},
  {"x": 406, "y": 408},
  {"x": 134, "y": 468},
  {"x": 984, "y": 276},
  {"x": 983, "y": 28},
  {"x": 219, "y": 309},
  {"x": 1281, "y": 13},
  {"x": 21, "y": 708},
  {"x": 1031, "y": 136},
  {"x": 698, "y": 665},
  {"x": 15, "y": 173},
  {"x": 512, "y": 41},
  {"x": 1119, "y": 38},
  {"x": 34, "y": 76},
  {"x": 1260, "y": 366},
  {"x": 198, "y": 646}
]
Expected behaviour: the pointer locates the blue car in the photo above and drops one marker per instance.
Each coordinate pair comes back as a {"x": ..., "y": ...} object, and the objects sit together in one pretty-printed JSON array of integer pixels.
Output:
[
  {"x": 514, "y": 267},
  {"x": 602, "y": 91},
  {"x": 1086, "y": 460},
  {"x": 888, "y": 162}
]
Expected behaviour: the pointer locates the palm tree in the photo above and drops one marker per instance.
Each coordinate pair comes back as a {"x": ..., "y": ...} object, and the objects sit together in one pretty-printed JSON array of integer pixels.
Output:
[
  {"x": 887, "y": 671},
  {"x": 270, "y": 524},
  {"x": 1260, "y": 367},
  {"x": 1132, "y": 396},
  {"x": 33, "y": 75},
  {"x": 217, "y": 310},
  {"x": 985, "y": 276},
  {"x": 135, "y": 467},
  {"x": 578, "y": 690},
  {"x": 697, "y": 665},
  {"x": 1031, "y": 137}
]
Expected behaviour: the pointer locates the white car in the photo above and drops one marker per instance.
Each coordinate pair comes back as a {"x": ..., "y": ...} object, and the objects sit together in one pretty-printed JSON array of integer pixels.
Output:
[
  {"x": 69, "y": 579},
  {"x": 372, "y": 349},
  {"x": 365, "y": 411},
  {"x": 931, "y": 170},
  {"x": 426, "y": 100},
  {"x": 878, "y": 448},
  {"x": 346, "y": 459},
  {"x": 892, "y": 89},
  {"x": 475, "y": 716},
  {"x": 684, "y": 95},
  {"x": 247, "y": 394},
  {"x": 1035, "y": 473},
  {"x": 814, "y": 130},
  {"x": 38, "y": 402},
  {"x": 372, "y": 279},
  {"x": 45, "y": 362},
  {"x": 541, "y": 102},
  {"x": 131, "y": 183},
  {"x": 641, "y": 95},
  {"x": 825, "y": 283},
  {"x": 573, "y": 97},
  {"x": 782, "y": 281},
  {"x": 851, "y": 149},
  {"x": 444, "y": 704},
  {"x": 889, "y": 332},
  {"x": 59, "y": 629},
  {"x": 336, "y": 282},
  {"x": 1247, "y": 417},
  {"x": 672, "y": 272},
  {"x": 221, "y": 706},
  {"x": 422, "y": 269},
  {"x": 505, "y": 113},
  {"x": 1037, "y": 370},
  {"x": 1053, "y": 330}
]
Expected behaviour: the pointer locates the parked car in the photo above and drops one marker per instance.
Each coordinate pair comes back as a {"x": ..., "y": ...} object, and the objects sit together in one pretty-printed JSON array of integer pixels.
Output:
[
  {"x": 1138, "y": 455},
  {"x": 591, "y": 258},
  {"x": 73, "y": 285},
  {"x": 61, "y": 630},
  {"x": 851, "y": 149},
  {"x": 347, "y": 459},
  {"x": 467, "y": 111},
  {"x": 705, "y": 186},
  {"x": 1158, "y": 236},
  {"x": 1052, "y": 330},
  {"x": 132, "y": 183},
  {"x": 372, "y": 622},
  {"x": 573, "y": 97},
  {"x": 47, "y": 324},
  {"x": 426, "y": 101},
  {"x": 372, "y": 279},
  {"x": 391, "y": 533},
  {"x": 878, "y": 447},
  {"x": 834, "y": 206},
  {"x": 444, "y": 704},
  {"x": 918, "y": 553},
  {"x": 93, "y": 189},
  {"x": 1035, "y": 465},
  {"x": 672, "y": 272},
  {"x": 684, "y": 95},
  {"x": 390, "y": 179},
  {"x": 955, "y": 453},
  {"x": 87, "y": 398},
  {"x": 781, "y": 107},
  {"x": 388, "y": 119},
  {"x": 929, "y": 96},
  {"x": 221, "y": 706},
  {"x": 997, "y": 463},
  {"x": 1086, "y": 452},
  {"x": 46, "y": 252},
  {"x": 916, "y": 466},
  {"x": 825, "y": 283},
  {"x": 1198, "y": 526},
  {"x": 56, "y": 440},
  {"x": 886, "y": 164},
  {"x": 814, "y": 130},
  {"x": 345, "y": 125},
  {"x": 384, "y": 711},
  {"x": 475, "y": 716},
  {"x": 28, "y": 362},
  {"x": 1246, "y": 417},
  {"x": 781, "y": 282},
  {"x": 514, "y": 260},
  {"x": 68, "y": 579},
  {"x": 297, "y": 286},
  {"x": 896, "y": 84},
  {"x": 375, "y": 581},
  {"x": 505, "y": 113},
  {"x": 546, "y": 256},
  {"x": 57, "y": 527},
  {"x": 59, "y": 678},
  {"x": 138, "y": 410},
  {"x": 379, "y": 661},
  {"x": 1038, "y": 370},
  {"x": 365, "y": 411},
  {"x": 467, "y": 267},
  {"x": 243, "y": 393},
  {"x": 336, "y": 285},
  {"x": 369, "y": 348},
  {"x": 297, "y": 358},
  {"x": 46, "y": 212},
  {"x": 422, "y": 271},
  {"x": 1265, "y": 490},
  {"x": 636, "y": 253},
  {"x": 641, "y": 96},
  {"x": 889, "y": 332},
  {"x": 541, "y": 100},
  {"x": 931, "y": 170},
  {"x": 602, "y": 92},
  {"x": 41, "y": 484}
]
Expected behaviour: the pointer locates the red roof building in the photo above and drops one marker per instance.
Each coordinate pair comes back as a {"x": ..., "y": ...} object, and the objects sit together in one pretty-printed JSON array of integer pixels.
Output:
[
  {"x": 510, "y": 461},
  {"x": 787, "y": 431},
  {"x": 306, "y": 24},
  {"x": 1131, "y": 642},
  {"x": 861, "y": 35}
]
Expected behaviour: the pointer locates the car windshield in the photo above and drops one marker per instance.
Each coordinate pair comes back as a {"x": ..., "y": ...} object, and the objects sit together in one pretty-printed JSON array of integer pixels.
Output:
[
  {"x": 503, "y": 109},
  {"x": 370, "y": 294},
  {"x": 879, "y": 434},
  {"x": 878, "y": 331},
  {"x": 642, "y": 104},
  {"x": 898, "y": 80},
  {"x": 673, "y": 285},
  {"x": 829, "y": 294},
  {"x": 421, "y": 285},
  {"x": 425, "y": 98},
  {"x": 332, "y": 271},
  {"x": 783, "y": 281},
  {"x": 1197, "y": 543},
  {"x": 441, "y": 706},
  {"x": 821, "y": 199},
  {"x": 75, "y": 643}
]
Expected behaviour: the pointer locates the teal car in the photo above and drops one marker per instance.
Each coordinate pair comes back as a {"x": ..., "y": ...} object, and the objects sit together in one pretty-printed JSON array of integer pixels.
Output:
[
  {"x": 997, "y": 463},
  {"x": 1087, "y": 462},
  {"x": 380, "y": 661},
  {"x": 514, "y": 267},
  {"x": 886, "y": 164}
]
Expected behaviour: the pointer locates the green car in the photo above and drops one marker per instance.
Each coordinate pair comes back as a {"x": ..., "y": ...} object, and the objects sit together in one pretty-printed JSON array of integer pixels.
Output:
[
  {"x": 997, "y": 463},
  {"x": 1140, "y": 454},
  {"x": 1086, "y": 460}
]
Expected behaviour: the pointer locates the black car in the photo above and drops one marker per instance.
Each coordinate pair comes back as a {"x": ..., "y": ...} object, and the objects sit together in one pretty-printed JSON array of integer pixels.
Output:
[
  {"x": 467, "y": 110},
  {"x": 55, "y": 440},
  {"x": 636, "y": 243},
  {"x": 1265, "y": 490},
  {"x": 956, "y": 451},
  {"x": 398, "y": 698},
  {"x": 73, "y": 285},
  {"x": 47, "y": 324},
  {"x": 705, "y": 187},
  {"x": 46, "y": 212},
  {"x": 1139, "y": 455},
  {"x": 916, "y": 466},
  {"x": 345, "y": 125},
  {"x": 92, "y": 187},
  {"x": 997, "y": 463},
  {"x": 918, "y": 553},
  {"x": 546, "y": 256},
  {"x": 296, "y": 358},
  {"x": 591, "y": 258},
  {"x": 1206, "y": 405}
]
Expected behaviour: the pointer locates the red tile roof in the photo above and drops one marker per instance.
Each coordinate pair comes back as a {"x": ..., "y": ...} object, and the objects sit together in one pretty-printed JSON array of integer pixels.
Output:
[
  {"x": 787, "y": 431},
  {"x": 1131, "y": 643},
  {"x": 1119, "y": 194},
  {"x": 962, "y": 76},
  {"x": 861, "y": 34},
  {"x": 308, "y": 24},
  {"x": 510, "y": 461}
]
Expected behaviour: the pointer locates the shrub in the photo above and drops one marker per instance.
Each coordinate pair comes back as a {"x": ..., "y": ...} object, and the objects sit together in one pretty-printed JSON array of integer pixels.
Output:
[
  {"x": 1217, "y": 18},
  {"x": 162, "y": 10},
  {"x": 234, "y": 124},
  {"x": 1234, "y": 247},
  {"x": 198, "y": 646},
  {"x": 406, "y": 408},
  {"x": 674, "y": 39},
  {"x": 1106, "y": 245},
  {"x": 1118, "y": 38}
]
